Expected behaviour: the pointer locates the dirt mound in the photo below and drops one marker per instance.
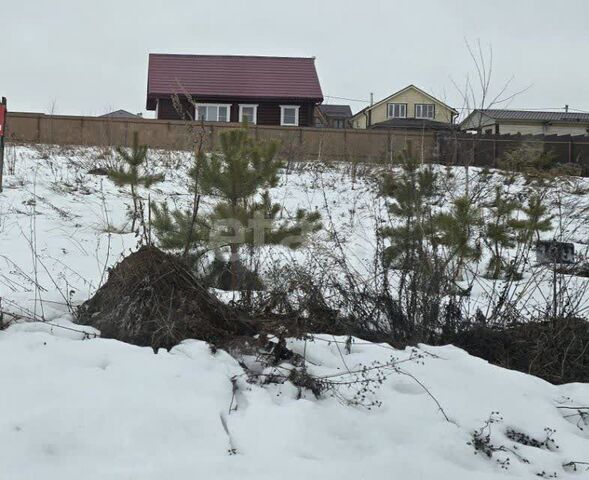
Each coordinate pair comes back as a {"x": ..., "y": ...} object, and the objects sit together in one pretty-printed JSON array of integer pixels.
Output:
[{"x": 151, "y": 299}]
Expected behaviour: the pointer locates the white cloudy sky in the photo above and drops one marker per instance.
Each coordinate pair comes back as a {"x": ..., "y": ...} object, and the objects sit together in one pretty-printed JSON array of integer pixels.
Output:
[{"x": 90, "y": 56}]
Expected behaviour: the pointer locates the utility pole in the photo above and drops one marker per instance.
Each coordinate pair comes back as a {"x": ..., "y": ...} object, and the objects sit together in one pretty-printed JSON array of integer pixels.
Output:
[{"x": 2, "y": 135}]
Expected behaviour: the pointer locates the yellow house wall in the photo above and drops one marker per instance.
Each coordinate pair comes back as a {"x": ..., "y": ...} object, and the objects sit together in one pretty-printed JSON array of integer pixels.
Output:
[
  {"x": 410, "y": 97},
  {"x": 359, "y": 121}
]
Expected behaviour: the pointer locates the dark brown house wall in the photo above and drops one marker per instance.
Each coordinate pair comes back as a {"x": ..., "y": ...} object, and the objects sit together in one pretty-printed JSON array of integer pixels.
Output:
[
  {"x": 268, "y": 112},
  {"x": 166, "y": 110}
]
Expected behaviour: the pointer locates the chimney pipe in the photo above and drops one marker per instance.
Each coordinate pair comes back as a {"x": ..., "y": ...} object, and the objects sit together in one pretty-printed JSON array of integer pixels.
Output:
[
  {"x": 566, "y": 109},
  {"x": 371, "y": 99}
]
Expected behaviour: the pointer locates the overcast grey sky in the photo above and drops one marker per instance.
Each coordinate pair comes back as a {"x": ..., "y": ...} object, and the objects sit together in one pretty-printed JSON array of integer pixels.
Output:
[{"x": 90, "y": 57}]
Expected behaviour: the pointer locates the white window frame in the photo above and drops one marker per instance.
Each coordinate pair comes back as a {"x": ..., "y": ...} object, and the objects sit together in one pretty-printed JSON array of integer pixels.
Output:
[
  {"x": 426, "y": 106},
  {"x": 228, "y": 105},
  {"x": 282, "y": 108},
  {"x": 248, "y": 105},
  {"x": 391, "y": 111}
]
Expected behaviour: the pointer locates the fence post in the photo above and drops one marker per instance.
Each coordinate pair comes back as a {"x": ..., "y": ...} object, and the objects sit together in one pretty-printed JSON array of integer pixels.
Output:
[
  {"x": 472, "y": 153},
  {"x": 213, "y": 138},
  {"x": 409, "y": 146}
]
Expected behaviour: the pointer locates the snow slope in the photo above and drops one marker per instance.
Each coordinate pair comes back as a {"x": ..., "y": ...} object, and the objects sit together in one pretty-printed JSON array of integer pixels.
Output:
[
  {"x": 78, "y": 406},
  {"x": 102, "y": 409}
]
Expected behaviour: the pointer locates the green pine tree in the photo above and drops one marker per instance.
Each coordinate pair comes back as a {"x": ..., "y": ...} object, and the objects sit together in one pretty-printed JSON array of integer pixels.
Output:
[
  {"x": 537, "y": 220},
  {"x": 456, "y": 230},
  {"x": 410, "y": 249},
  {"x": 182, "y": 229},
  {"x": 411, "y": 192},
  {"x": 131, "y": 172},
  {"x": 239, "y": 177},
  {"x": 175, "y": 228},
  {"x": 499, "y": 232}
]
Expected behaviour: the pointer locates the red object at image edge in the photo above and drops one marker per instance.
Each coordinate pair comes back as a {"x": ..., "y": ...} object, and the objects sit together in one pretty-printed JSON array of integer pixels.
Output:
[{"x": 2, "y": 118}]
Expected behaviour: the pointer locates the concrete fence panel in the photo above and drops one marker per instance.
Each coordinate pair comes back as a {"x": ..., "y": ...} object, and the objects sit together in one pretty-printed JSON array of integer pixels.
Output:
[
  {"x": 378, "y": 146},
  {"x": 295, "y": 143}
]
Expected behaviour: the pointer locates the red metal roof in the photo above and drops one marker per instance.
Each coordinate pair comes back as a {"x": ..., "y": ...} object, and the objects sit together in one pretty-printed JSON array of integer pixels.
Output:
[{"x": 233, "y": 76}]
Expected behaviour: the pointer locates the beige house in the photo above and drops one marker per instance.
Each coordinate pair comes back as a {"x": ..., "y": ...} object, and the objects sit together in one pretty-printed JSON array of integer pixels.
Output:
[
  {"x": 496, "y": 121},
  {"x": 402, "y": 108}
]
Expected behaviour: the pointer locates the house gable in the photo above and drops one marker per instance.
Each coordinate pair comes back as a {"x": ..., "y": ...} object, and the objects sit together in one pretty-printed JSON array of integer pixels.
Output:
[
  {"x": 409, "y": 96},
  {"x": 477, "y": 120}
]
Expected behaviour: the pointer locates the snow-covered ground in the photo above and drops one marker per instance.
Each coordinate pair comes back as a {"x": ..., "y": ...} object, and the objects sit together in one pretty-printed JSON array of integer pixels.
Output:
[
  {"x": 60, "y": 226},
  {"x": 78, "y": 406},
  {"x": 102, "y": 409}
]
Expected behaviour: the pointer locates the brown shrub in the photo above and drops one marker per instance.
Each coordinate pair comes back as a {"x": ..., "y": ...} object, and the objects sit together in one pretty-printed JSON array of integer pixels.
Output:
[{"x": 555, "y": 350}]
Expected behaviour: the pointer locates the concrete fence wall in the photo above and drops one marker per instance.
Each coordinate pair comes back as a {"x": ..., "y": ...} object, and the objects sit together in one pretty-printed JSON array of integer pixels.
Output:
[
  {"x": 295, "y": 143},
  {"x": 378, "y": 146}
]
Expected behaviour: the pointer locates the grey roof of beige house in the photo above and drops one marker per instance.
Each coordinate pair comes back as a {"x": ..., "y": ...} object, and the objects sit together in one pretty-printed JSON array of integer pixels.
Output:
[{"x": 414, "y": 124}]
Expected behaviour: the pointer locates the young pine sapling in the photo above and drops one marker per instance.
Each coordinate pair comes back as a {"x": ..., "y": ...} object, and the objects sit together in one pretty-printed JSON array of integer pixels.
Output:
[
  {"x": 239, "y": 177},
  {"x": 131, "y": 172}
]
